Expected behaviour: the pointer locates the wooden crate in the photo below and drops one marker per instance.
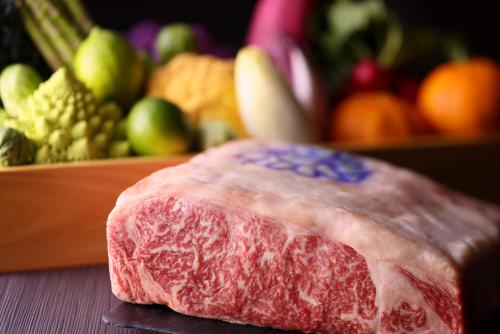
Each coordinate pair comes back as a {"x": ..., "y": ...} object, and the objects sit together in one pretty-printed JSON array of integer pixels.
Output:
[{"x": 55, "y": 216}]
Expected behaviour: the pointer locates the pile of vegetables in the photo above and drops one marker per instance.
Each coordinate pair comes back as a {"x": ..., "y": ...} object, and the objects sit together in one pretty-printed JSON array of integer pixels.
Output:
[
  {"x": 62, "y": 118},
  {"x": 358, "y": 30},
  {"x": 340, "y": 70},
  {"x": 203, "y": 86},
  {"x": 74, "y": 114},
  {"x": 79, "y": 112},
  {"x": 383, "y": 81}
]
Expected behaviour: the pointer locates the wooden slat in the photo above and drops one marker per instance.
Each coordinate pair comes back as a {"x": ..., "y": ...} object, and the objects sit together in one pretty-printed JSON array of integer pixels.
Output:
[
  {"x": 55, "y": 216},
  {"x": 67, "y": 301},
  {"x": 70, "y": 301}
]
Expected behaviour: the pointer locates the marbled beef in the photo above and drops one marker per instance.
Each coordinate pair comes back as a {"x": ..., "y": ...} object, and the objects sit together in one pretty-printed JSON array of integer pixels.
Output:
[{"x": 303, "y": 238}]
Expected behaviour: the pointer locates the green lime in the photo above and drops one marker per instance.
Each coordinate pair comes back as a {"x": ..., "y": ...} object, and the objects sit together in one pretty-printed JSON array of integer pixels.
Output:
[
  {"x": 174, "y": 39},
  {"x": 158, "y": 127}
]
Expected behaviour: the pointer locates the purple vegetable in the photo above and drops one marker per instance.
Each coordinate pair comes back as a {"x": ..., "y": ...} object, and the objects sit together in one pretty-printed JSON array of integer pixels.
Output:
[
  {"x": 142, "y": 36},
  {"x": 202, "y": 36},
  {"x": 209, "y": 46}
]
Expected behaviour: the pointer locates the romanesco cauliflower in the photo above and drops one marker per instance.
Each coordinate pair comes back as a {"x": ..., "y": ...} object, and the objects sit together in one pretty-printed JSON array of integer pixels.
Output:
[{"x": 67, "y": 123}]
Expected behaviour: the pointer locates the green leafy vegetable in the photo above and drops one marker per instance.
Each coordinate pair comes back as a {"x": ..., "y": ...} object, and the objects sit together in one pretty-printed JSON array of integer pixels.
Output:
[
  {"x": 15, "y": 148},
  {"x": 349, "y": 31},
  {"x": 347, "y": 18},
  {"x": 361, "y": 29}
]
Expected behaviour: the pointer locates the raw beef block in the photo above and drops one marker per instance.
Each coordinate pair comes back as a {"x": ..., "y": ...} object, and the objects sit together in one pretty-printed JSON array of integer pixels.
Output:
[{"x": 303, "y": 238}]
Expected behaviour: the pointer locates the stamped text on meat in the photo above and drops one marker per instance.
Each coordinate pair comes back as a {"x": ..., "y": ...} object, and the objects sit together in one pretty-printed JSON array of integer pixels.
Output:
[{"x": 317, "y": 250}]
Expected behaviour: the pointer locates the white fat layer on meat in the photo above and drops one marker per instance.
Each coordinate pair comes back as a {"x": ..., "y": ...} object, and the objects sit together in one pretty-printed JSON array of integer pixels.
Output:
[
  {"x": 392, "y": 288},
  {"x": 177, "y": 206},
  {"x": 266, "y": 257},
  {"x": 176, "y": 302},
  {"x": 394, "y": 217},
  {"x": 381, "y": 217},
  {"x": 149, "y": 285},
  {"x": 304, "y": 295},
  {"x": 130, "y": 226}
]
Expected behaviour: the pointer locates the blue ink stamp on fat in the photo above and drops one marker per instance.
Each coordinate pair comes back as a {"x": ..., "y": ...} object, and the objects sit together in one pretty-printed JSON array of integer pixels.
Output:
[{"x": 309, "y": 161}]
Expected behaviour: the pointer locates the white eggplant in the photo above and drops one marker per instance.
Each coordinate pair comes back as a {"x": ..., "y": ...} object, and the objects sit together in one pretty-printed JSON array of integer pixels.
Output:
[{"x": 267, "y": 105}]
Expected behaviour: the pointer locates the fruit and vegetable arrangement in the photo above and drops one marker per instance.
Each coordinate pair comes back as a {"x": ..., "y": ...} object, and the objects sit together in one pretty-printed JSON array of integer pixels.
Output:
[{"x": 338, "y": 70}]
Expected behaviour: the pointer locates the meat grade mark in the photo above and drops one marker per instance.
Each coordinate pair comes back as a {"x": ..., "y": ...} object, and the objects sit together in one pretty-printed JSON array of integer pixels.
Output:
[{"x": 309, "y": 161}]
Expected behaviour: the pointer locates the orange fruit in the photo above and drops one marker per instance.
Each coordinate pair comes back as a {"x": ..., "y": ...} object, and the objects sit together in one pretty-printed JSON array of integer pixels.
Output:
[
  {"x": 371, "y": 117},
  {"x": 462, "y": 98}
]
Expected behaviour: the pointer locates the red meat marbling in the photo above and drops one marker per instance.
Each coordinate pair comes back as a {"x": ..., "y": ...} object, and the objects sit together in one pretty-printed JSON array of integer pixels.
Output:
[{"x": 302, "y": 238}]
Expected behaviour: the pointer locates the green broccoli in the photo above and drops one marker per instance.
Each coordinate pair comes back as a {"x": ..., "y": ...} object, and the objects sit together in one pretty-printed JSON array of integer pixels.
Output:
[
  {"x": 15, "y": 148},
  {"x": 67, "y": 123}
]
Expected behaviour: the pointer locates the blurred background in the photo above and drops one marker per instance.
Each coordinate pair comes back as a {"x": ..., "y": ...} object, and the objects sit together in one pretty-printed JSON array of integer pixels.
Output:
[
  {"x": 478, "y": 21},
  {"x": 413, "y": 82},
  {"x": 368, "y": 74}
]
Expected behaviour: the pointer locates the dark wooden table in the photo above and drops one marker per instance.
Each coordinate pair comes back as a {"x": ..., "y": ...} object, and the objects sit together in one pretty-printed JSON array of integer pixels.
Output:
[
  {"x": 72, "y": 301},
  {"x": 57, "y": 301}
]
